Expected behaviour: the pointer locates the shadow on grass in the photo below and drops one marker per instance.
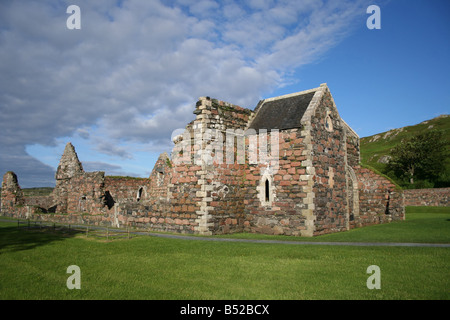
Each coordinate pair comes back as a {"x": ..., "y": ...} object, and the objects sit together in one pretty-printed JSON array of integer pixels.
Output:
[{"x": 13, "y": 238}]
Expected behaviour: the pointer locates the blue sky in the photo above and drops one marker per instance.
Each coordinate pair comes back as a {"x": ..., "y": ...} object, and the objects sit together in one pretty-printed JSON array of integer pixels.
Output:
[{"x": 118, "y": 87}]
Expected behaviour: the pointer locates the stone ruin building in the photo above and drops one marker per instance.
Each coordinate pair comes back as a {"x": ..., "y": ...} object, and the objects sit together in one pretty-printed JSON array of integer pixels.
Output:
[{"x": 291, "y": 166}]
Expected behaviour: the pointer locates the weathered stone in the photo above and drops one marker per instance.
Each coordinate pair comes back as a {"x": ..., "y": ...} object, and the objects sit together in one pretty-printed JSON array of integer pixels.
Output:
[
  {"x": 12, "y": 194},
  {"x": 221, "y": 184},
  {"x": 69, "y": 165},
  {"x": 439, "y": 197}
]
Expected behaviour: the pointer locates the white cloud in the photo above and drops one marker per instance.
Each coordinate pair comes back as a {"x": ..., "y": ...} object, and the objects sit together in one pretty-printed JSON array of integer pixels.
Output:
[
  {"x": 134, "y": 71},
  {"x": 108, "y": 168},
  {"x": 111, "y": 149}
]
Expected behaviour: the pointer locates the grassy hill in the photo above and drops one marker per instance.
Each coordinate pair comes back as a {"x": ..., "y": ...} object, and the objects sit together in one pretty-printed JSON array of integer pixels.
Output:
[{"x": 375, "y": 149}]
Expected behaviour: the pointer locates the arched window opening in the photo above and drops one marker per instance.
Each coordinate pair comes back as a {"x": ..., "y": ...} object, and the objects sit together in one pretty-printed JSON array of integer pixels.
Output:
[
  {"x": 267, "y": 190},
  {"x": 139, "y": 195},
  {"x": 108, "y": 200},
  {"x": 329, "y": 124},
  {"x": 388, "y": 198}
]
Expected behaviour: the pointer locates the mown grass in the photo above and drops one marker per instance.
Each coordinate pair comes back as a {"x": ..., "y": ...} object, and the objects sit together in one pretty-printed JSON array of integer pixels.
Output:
[
  {"x": 422, "y": 225},
  {"x": 33, "y": 265}
]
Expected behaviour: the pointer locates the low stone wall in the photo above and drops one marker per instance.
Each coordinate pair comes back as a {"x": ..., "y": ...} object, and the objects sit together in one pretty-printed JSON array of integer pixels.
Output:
[
  {"x": 379, "y": 200},
  {"x": 28, "y": 212},
  {"x": 438, "y": 197},
  {"x": 44, "y": 202}
]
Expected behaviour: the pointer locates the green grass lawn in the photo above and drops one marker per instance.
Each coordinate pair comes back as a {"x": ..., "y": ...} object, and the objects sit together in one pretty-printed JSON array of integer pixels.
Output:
[
  {"x": 422, "y": 225},
  {"x": 33, "y": 265}
]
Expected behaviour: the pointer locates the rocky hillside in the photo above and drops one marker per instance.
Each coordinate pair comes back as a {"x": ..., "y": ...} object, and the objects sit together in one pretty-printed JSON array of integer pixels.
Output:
[{"x": 375, "y": 149}]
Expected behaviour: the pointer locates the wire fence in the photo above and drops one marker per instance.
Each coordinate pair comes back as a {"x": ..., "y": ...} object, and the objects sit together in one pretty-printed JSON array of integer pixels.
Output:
[{"x": 89, "y": 231}]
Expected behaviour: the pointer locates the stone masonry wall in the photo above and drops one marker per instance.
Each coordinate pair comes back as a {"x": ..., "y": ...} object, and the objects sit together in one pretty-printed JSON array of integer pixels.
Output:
[
  {"x": 85, "y": 193},
  {"x": 12, "y": 194},
  {"x": 221, "y": 181},
  {"x": 219, "y": 176},
  {"x": 227, "y": 198},
  {"x": 213, "y": 185},
  {"x": 40, "y": 202},
  {"x": 280, "y": 213},
  {"x": 15, "y": 204},
  {"x": 191, "y": 194},
  {"x": 353, "y": 144},
  {"x": 328, "y": 159},
  {"x": 169, "y": 203},
  {"x": 379, "y": 200},
  {"x": 122, "y": 189},
  {"x": 438, "y": 197}
]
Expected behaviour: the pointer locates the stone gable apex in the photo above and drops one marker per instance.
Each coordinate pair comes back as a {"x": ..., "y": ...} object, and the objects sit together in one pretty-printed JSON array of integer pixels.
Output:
[{"x": 69, "y": 165}]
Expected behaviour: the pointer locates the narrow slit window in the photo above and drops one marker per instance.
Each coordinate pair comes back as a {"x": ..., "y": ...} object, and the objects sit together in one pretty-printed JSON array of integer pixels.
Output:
[
  {"x": 139, "y": 195},
  {"x": 267, "y": 196},
  {"x": 388, "y": 198},
  {"x": 329, "y": 124}
]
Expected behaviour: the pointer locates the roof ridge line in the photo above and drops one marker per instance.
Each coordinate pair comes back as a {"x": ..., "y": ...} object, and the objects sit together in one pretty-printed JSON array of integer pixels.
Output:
[{"x": 291, "y": 95}]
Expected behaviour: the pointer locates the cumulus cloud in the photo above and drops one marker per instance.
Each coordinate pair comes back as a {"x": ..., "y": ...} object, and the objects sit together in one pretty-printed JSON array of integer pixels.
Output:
[
  {"x": 111, "y": 149},
  {"x": 136, "y": 68}
]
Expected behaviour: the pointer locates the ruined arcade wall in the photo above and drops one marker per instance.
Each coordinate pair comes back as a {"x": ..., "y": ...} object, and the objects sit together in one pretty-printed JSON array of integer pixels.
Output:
[{"x": 122, "y": 189}]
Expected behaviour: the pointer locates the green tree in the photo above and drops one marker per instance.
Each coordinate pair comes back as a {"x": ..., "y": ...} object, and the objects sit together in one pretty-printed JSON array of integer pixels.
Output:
[{"x": 419, "y": 157}]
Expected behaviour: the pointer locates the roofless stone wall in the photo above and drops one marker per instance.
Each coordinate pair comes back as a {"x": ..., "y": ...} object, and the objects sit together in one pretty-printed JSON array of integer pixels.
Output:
[
  {"x": 379, "y": 200},
  {"x": 220, "y": 176},
  {"x": 289, "y": 167},
  {"x": 12, "y": 195},
  {"x": 120, "y": 189},
  {"x": 208, "y": 171}
]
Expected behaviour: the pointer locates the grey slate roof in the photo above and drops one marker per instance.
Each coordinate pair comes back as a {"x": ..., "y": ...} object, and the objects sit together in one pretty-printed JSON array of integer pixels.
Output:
[{"x": 282, "y": 113}]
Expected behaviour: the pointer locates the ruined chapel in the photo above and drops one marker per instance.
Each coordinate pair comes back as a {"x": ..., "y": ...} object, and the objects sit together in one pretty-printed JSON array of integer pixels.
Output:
[{"x": 291, "y": 166}]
